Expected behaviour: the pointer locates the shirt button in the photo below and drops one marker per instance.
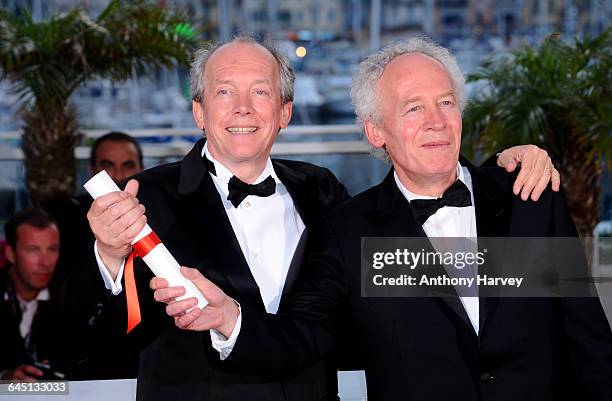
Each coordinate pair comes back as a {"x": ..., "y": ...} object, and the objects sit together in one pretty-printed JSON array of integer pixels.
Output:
[
  {"x": 486, "y": 377},
  {"x": 247, "y": 204},
  {"x": 254, "y": 253}
]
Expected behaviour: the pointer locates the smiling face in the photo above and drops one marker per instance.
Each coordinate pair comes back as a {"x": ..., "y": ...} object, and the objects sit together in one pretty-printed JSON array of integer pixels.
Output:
[
  {"x": 241, "y": 109},
  {"x": 421, "y": 122}
]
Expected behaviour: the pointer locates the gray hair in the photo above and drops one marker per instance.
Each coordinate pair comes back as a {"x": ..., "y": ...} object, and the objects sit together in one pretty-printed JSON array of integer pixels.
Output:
[
  {"x": 364, "y": 88},
  {"x": 201, "y": 56}
]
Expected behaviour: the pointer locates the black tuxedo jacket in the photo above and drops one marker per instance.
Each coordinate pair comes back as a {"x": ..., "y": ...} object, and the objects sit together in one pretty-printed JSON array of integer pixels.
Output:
[
  {"x": 185, "y": 210},
  {"x": 425, "y": 348}
]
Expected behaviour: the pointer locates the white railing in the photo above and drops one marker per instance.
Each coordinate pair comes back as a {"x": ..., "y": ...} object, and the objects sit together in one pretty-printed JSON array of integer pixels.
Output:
[{"x": 178, "y": 148}]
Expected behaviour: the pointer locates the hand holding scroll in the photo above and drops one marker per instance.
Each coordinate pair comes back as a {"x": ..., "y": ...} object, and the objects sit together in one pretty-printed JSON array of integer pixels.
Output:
[
  {"x": 116, "y": 219},
  {"x": 220, "y": 314}
]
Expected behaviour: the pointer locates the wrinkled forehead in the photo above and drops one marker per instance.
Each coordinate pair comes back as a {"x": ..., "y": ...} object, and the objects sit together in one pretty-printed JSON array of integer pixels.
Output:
[
  {"x": 242, "y": 55},
  {"x": 414, "y": 66}
]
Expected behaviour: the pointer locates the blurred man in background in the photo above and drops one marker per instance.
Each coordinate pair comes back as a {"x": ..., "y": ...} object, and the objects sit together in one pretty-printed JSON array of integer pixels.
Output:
[
  {"x": 30, "y": 326},
  {"x": 118, "y": 153}
]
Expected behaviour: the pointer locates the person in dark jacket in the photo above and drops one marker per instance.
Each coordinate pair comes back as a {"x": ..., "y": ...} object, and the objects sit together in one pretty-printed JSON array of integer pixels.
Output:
[{"x": 30, "y": 322}]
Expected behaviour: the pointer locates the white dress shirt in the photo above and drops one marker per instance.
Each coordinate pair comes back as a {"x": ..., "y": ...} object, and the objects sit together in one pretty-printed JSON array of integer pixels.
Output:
[
  {"x": 28, "y": 311},
  {"x": 268, "y": 230},
  {"x": 452, "y": 222}
]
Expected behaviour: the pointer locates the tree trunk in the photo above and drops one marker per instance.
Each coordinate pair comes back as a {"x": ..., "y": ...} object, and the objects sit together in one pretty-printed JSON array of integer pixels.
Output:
[
  {"x": 581, "y": 181},
  {"x": 49, "y": 137}
]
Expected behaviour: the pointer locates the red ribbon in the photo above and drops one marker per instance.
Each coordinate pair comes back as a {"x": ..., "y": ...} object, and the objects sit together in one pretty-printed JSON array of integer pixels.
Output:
[{"x": 139, "y": 249}]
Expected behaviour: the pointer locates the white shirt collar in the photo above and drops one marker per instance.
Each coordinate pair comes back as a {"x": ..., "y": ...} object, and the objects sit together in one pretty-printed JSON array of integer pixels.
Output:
[
  {"x": 43, "y": 295},
  {"x": 223, "y": 174},
  {"x": 462, "y": 174}
]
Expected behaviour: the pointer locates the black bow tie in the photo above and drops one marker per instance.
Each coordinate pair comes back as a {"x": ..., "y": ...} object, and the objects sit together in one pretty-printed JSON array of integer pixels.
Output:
[
  {"x": 238, "y": 189},
  {"x": 457, "y": 195}
]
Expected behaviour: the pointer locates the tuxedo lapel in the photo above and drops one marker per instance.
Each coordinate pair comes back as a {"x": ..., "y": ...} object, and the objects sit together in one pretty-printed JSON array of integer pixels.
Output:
[
  {"x": 302, "y": 190},
  {"x": 398, "y": 220},
  {"x": 296, "y": 263},
  {"x": 219, "y": 252},
  {"x": 303, "y": 193},
  {"x": 493, "y": 213}
]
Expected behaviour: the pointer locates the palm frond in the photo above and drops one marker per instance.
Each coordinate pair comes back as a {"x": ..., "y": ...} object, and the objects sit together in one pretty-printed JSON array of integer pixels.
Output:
[
  {"x": 49, "y": 59},
  {"x": 558, "y": 96},
  {"x": 552, "y": 95}
]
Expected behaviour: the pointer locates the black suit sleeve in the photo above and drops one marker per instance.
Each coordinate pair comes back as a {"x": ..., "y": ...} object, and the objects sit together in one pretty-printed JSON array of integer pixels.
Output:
[
  {"x": 586, "y": 340},
  {"x": 590, "y": 346},
  {"x": 337, "y": 191},
  {"x": 586, "y": 327},
  {"x": 491, "y": 161},
  {"x": 278, "y": 346},
  {"x": 97, "y": 318},
  {"x": 83, "y": 296}
]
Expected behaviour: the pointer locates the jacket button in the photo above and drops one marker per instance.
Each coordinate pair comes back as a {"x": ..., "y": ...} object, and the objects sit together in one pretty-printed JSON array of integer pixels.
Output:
[{"x": 485, "y": 377}]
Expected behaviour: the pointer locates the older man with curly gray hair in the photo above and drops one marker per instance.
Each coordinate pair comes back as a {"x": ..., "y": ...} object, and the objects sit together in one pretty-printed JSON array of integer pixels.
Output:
[
  {"x": 366, "y": 98},
  {"x": 364, "y": 88}
]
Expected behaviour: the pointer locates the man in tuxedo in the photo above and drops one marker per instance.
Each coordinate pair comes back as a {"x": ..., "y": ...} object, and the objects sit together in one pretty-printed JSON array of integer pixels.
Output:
[
  {"x": 223, "y": 208},
  {"x": 30, "y": 322},
  {"x": 227, "y": 209},
  {"x": 409, "y": 97}
]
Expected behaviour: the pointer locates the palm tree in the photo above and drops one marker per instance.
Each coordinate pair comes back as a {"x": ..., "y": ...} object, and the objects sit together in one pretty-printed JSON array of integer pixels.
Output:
[
  {"x": 48, "y": 60},
  {"x": 559, "y": 97}
]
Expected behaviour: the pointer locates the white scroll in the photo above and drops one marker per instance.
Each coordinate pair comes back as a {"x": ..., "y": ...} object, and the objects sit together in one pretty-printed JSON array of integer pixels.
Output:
[{"x": 159, "y": 259}]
